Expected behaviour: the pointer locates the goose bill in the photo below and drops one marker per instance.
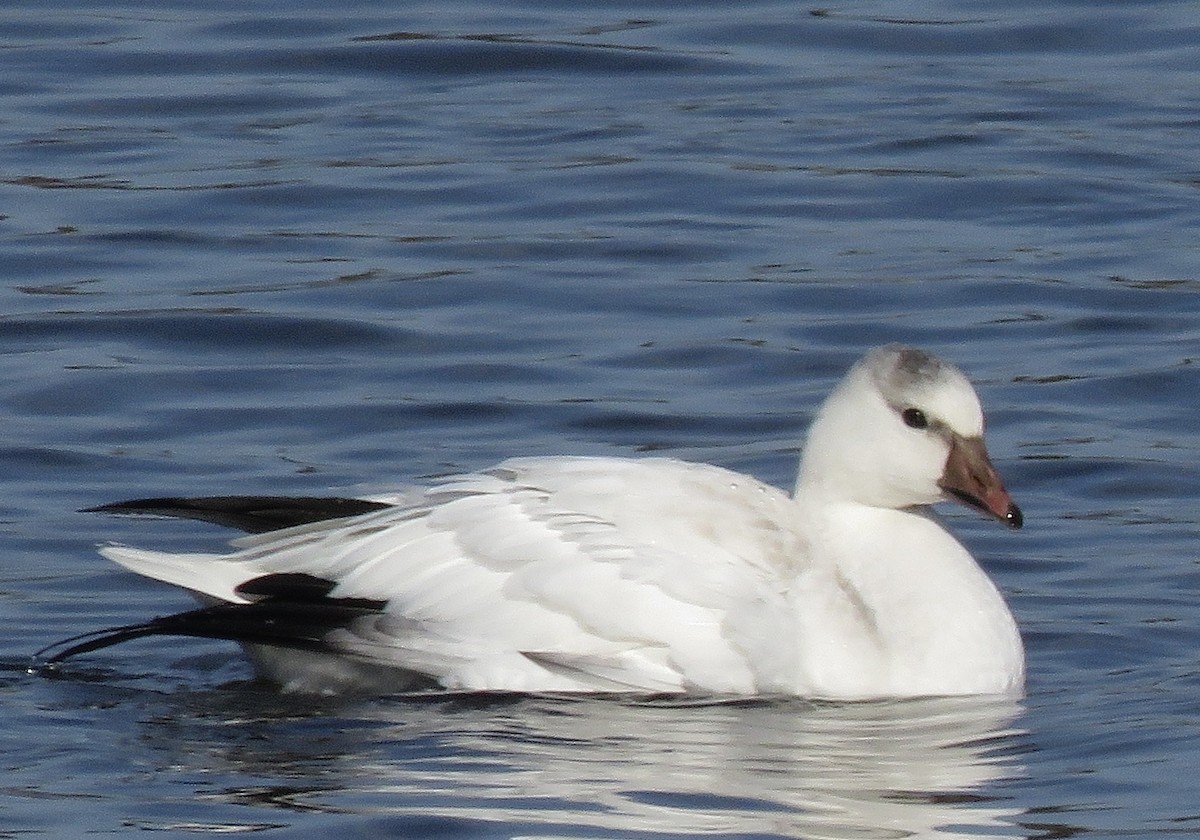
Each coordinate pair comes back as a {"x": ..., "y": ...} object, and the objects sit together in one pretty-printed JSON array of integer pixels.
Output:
[{"x": 970, "y": 477}]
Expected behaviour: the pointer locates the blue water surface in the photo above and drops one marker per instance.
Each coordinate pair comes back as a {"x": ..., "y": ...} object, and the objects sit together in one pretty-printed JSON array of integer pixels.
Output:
[{"x": 308, "y": 248}]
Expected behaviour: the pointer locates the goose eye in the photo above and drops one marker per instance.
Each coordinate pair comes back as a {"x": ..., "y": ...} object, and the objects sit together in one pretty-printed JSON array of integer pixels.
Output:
[{"x": 914, "y": 418}]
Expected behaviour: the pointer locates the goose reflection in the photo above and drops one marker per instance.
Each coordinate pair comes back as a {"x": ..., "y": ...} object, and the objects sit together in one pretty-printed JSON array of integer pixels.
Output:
[{"x": 650, "y": 768}]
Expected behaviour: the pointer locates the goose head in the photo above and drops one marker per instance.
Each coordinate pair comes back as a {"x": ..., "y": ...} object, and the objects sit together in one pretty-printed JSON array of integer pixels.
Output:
[{"x": 903, "y": 429}]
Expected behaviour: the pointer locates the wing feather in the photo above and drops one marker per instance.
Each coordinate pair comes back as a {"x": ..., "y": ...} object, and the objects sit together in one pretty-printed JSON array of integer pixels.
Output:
[{"x": 567, "y": 573}]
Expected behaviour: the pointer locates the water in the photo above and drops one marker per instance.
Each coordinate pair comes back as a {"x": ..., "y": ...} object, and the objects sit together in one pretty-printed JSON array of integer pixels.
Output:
[{"x": 301, "y": 248}]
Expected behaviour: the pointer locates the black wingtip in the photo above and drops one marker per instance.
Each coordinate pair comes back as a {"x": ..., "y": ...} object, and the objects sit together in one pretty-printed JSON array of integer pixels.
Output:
[
  {"x": 49, "y": 657},
  {"x": 252, "y": 514},
  {"x": 293, "y": 613}
]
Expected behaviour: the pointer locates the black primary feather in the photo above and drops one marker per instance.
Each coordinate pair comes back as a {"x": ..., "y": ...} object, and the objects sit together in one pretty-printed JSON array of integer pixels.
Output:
[
  {"x": 252, "y": 514},
  {"x": 292, "y": 610}
]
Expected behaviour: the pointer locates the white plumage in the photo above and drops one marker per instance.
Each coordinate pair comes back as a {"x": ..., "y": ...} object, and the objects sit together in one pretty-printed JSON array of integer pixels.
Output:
[{"x": 656, "y": 575}]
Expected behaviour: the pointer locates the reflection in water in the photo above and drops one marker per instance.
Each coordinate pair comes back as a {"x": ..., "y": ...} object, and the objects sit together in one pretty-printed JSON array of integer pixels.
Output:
[{"x": 777, "y": 768}]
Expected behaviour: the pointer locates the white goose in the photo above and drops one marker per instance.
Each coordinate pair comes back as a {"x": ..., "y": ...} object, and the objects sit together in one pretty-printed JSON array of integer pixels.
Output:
[{"x": 642, "y": 575}]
